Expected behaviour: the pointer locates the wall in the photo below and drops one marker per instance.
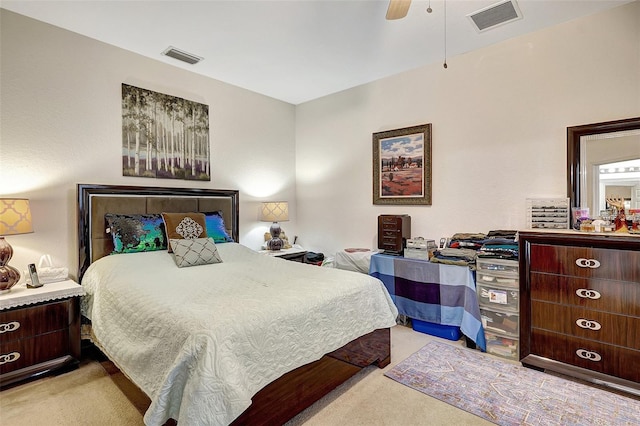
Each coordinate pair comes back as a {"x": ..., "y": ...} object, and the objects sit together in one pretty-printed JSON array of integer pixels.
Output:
[
  {"x": 499, "y": 119},
  {"x": 61, "y": 125}
]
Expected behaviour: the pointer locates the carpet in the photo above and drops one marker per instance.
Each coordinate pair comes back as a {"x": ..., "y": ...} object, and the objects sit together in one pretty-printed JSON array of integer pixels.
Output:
[{"x": 509, "y": 394}]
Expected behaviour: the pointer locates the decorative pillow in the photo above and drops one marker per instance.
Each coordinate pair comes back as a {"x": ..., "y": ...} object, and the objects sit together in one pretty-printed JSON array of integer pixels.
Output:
[
  {"x": 193, "y": 252},
  {"x": 186, "y": 226},
  {"x": 134, "y": 233},
  {"x": 216, "y": 228}
]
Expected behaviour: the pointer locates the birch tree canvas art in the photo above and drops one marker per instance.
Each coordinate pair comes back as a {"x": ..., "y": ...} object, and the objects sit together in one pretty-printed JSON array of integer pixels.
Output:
[{"x": 164, "y": 136}]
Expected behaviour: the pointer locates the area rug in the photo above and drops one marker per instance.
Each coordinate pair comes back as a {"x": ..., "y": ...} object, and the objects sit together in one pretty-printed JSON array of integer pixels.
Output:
[{"x": 509, "y": 394}]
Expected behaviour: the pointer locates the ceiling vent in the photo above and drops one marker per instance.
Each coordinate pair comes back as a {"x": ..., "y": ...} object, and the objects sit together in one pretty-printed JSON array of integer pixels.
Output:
[
  {"x": 181, "y": 55},
  {"x": 495, "y": 15}
]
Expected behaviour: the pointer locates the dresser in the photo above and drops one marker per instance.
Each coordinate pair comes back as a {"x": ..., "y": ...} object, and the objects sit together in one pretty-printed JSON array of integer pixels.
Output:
[
  {"x": 580, "y": 305},
  {"x": 39, "y": 330}
]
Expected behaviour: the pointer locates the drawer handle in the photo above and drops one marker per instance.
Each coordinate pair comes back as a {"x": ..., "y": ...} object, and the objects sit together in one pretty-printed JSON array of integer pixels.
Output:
[
  {"x": 10, "y": 357},
  {"x": 588, "y": 294},
  {"x": 9, "y": 326},
  {"x": 588, "y": 324},
  {"x": 589, "y": 355},
  {"x": 587, "y": 263}
]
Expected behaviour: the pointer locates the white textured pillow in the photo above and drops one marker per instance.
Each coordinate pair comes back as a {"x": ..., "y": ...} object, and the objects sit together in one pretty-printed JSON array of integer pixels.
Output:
[{"x": 198, "y": 251}]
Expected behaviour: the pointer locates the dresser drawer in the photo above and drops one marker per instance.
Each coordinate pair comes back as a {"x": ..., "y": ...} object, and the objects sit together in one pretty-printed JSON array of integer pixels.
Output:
[
  {"x": 621, "y": 297},
  {"x": 588, "y": 324},
  {"x": 18, "y": 354},
  {"x": 586, "y": 262},
  {"x": 33, "y": 320},
  {"x": 600, "y": 357}
]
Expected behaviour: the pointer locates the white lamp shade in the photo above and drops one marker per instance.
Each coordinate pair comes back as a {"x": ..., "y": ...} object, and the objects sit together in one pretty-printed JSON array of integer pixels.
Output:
[
  {"x": 15, "y": 216},
  {"x": 275, "y": 211}
]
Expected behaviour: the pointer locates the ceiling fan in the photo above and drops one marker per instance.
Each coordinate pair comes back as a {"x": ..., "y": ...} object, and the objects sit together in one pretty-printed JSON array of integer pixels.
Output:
[{"x": 398, "y": 9}]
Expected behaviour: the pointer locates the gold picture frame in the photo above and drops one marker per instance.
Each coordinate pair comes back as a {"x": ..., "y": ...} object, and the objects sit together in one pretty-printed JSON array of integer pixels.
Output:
[{"x": 402, "y": 166}]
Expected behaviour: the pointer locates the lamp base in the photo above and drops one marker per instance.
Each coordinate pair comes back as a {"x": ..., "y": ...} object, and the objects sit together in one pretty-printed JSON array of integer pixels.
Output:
[
  {"x": 9, "y": 276},
  {"x": 275, "y": 243}
]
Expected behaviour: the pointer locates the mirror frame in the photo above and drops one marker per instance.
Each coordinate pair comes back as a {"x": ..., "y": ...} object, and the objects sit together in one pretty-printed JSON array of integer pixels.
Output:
[{"x": 574, "y": 134}]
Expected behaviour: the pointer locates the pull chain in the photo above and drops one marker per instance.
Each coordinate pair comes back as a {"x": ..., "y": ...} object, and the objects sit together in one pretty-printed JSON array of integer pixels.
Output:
[{"x": 445, "y": 34}]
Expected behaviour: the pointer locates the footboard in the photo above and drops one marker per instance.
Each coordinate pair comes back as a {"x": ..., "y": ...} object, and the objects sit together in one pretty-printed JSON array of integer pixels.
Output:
[{"x": 283, "y": 399}]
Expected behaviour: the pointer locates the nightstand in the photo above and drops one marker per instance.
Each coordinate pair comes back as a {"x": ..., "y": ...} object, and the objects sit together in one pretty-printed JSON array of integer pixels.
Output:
[
  {"x": 39, "y": 330},
  {"x": 294, "y": 254}
]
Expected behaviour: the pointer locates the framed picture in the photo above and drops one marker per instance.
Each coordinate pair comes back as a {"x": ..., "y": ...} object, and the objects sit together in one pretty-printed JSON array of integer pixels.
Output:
[
  {"x": 402, "y": 166},
  {"x": 164, "y": 136}
]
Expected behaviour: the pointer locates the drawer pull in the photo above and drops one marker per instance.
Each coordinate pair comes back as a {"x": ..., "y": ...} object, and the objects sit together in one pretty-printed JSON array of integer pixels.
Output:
[
  {"x": 590, "y": 355},
  {"x": 9, "y": 326},
  {"x": 588, "y": 294},
  {"x": 588, "y": 324},
  {"x": 10, "y": 357},
  {"x": 587, "y": 263}
]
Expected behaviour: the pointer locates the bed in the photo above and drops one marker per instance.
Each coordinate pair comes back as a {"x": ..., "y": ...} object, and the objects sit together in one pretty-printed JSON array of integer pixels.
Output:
[{"x": 250, "y": 339}]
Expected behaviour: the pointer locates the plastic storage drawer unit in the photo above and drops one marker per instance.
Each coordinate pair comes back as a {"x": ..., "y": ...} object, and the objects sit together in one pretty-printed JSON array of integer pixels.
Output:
[
  {"x": 502, "y": 345},
  {"x": 500, "y": 297},
  {"x": 500, "y": 322}
]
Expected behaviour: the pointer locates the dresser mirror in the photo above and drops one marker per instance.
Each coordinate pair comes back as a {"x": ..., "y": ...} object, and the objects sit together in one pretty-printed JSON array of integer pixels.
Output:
[{"x": 603, "y": 160}]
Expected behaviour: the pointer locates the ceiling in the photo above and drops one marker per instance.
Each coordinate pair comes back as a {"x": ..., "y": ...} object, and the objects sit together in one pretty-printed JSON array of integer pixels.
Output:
[{"x": 297, "y": 50}]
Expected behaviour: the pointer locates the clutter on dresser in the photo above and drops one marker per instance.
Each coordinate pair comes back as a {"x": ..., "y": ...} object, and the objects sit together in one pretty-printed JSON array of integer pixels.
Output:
[
  {"x": 616, "y": 218},
  {"x": 393, "y": 232},
  {"x": 548, "y": 213}
]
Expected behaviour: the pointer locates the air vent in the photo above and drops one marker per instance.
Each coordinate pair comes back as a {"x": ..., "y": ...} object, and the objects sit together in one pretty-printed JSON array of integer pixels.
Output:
[
  {"x": 495, "y": 15},
  {"x": 181, "y": 55}
]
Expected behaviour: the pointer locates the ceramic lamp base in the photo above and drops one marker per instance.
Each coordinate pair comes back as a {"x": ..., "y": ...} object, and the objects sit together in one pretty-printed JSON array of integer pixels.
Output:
[
  {"x": 9, "y": 276},
  {"x": 275, "y": 243}
]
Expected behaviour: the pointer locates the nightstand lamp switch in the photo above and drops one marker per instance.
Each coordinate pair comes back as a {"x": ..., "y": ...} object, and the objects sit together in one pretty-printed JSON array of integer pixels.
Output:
[
  {"x": 15, "y": 218},
  {"x": 276, "y": 211}
]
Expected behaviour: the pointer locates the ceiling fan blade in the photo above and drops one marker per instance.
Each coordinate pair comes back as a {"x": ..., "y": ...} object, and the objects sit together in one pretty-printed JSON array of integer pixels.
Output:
[{"x": 398, "y": 9}]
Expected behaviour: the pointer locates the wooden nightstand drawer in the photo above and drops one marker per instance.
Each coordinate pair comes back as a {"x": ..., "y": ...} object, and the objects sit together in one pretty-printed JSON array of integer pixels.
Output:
[
  {"x": 23, "y": 353},
  {"x": 32, "y": 321},
  {"x": 39, "y": 330}
]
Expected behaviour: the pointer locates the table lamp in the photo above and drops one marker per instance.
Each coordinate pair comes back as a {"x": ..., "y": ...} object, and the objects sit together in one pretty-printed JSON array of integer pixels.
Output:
[
  {"x": 15, "y": 218},
  {"x": 275, "y": 211}
]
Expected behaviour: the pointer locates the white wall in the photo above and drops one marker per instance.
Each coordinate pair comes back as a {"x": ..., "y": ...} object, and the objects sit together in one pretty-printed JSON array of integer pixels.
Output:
[
  {"x": 499, "y": 119},
  {"x": 60, "y": 124}
]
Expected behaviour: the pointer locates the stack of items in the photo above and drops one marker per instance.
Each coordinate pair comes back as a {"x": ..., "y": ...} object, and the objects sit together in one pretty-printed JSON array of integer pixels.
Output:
[
  {"x": 462, "y": 250},
  {"x": 500, "y": 245},
  {"x": 499, "y": 292}
]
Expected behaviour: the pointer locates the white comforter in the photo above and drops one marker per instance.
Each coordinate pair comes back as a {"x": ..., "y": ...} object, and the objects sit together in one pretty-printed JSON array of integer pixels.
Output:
[{"x": 201, "y": 341}]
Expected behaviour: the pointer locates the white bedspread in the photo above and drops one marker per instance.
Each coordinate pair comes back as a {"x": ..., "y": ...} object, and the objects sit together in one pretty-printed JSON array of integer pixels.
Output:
[{"x": 201, "y": 341}]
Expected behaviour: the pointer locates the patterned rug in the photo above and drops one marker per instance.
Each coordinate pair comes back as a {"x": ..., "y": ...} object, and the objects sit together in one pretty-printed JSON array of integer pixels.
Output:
[{"x": 509, "y": 394}]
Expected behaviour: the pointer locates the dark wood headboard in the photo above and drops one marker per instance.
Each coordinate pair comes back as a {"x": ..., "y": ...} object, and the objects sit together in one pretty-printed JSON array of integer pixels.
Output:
[{"x": 94, "y": 201}]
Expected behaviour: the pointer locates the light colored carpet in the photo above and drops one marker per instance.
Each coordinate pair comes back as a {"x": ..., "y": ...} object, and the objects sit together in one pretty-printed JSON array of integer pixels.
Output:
[{"x": 91, "y": 395}]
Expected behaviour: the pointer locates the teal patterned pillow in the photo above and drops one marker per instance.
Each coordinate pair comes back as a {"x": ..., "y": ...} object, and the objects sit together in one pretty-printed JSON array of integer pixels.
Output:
[
  {"x": 133, "y": 233},
  {"x": 216, "y": 228}
]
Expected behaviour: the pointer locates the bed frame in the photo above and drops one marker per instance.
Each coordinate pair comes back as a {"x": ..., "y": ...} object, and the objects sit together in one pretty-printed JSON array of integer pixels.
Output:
[{"x": 293, "y": 392}]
